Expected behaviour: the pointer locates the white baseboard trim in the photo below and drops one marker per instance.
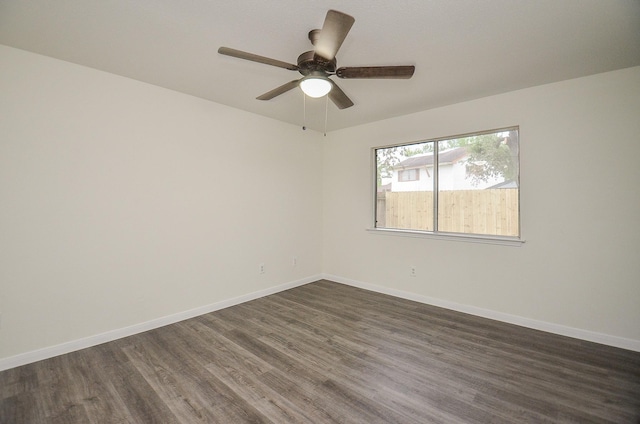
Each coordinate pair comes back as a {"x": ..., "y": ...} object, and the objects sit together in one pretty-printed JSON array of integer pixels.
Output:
[
  {"x": 576, "y": 333},
  {"x": 61, "y": 349}
]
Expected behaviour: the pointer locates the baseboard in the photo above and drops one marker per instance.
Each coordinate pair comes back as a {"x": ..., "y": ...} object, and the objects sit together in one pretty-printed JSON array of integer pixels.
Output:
[
  {"x": 61, "y": 349},
  {"x": 548, "y": 327}
]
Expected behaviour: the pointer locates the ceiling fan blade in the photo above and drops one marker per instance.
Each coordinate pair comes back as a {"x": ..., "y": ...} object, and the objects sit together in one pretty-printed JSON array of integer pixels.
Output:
[
  {"x": 256, "y": 58},
  {"x": 338, "y": 97},
  {"x": 280, "y": 90},
  {"x": 401, "y": 72},
  {"x": 334, "y": 30}
]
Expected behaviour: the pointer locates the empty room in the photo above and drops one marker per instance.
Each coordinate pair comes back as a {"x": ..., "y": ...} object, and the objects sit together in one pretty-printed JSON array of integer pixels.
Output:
[{"x": 319, "y": 212}]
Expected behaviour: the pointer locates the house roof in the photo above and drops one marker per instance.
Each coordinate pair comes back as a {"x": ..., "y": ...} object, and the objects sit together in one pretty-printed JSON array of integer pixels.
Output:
[
  {"x": 418, "y": 161},
  {"x": 505, "y": 184}
]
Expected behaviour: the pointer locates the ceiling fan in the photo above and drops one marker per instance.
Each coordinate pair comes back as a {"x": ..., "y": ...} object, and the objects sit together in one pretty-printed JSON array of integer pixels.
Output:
[{"x": 319, "y": 64}]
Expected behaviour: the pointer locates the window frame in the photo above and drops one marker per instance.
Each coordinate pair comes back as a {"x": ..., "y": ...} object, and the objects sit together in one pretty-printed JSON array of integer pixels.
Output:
[{"x": 442, "y": 235}]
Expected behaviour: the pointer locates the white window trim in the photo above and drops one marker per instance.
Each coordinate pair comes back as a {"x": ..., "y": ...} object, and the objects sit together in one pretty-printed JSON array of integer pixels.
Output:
[{"x": 468, "y": 238}]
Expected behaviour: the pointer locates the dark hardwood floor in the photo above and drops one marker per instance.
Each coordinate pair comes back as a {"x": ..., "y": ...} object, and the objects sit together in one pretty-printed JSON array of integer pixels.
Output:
[{"x": 330, "y": 353}]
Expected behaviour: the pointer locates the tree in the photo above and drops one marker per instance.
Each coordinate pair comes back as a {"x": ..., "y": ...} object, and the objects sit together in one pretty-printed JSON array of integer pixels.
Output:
[
  {"x": 386, "y": 159},
  {"x": 492, "y": 156}
]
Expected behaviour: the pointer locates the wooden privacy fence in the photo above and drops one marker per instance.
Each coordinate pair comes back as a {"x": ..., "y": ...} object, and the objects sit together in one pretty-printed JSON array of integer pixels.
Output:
[{"x": 490, "y": 212}]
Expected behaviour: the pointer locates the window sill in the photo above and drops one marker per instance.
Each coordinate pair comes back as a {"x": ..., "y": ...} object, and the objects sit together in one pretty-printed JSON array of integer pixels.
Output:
[{"x": 504, "y": 241}]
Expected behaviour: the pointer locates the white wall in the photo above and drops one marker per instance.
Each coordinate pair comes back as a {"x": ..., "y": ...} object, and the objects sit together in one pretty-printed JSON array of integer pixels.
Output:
[
  {"x": 121, "y": 202},
  {"x": 579, "y": 268},
  {"x": 116, "y": 206}
]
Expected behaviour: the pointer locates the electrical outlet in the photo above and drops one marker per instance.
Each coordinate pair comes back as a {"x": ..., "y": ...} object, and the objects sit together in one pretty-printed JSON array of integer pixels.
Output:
[
  {"x": 412, "y": 271},
  {"x": 261, "y": 269},
  {"x": 294, "y": 262}
]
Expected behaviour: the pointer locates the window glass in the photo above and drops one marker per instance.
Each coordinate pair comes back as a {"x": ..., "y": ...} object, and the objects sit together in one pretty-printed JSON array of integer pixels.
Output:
[{"x": 462, "y": 185}]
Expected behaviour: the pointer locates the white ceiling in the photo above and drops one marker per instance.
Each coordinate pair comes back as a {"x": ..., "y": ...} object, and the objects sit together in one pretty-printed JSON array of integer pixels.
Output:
[{"x": 462, "y": 49}]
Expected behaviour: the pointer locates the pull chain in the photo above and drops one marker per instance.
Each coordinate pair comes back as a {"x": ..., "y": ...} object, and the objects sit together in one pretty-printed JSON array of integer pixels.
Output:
[
  {"x": 326, "y": 113},
  {"x": 304, "y": 112}
]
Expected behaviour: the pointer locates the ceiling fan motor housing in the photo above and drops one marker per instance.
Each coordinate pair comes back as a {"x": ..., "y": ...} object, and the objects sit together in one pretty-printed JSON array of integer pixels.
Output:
[{"x": 309, "y": 62}]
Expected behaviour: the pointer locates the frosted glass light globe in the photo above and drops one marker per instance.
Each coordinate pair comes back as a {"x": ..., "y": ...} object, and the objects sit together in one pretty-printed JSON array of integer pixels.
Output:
[{"x": 315, "y": 86}]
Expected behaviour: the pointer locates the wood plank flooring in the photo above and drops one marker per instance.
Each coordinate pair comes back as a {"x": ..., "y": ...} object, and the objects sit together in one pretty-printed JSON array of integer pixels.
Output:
[{"x": 330, "y": 353}]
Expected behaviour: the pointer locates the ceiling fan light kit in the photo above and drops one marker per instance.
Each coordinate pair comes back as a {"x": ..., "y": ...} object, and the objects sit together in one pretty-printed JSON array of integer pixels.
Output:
[
  {"x": 318, "y": 65},
  {"x": 315, "y": 85}
]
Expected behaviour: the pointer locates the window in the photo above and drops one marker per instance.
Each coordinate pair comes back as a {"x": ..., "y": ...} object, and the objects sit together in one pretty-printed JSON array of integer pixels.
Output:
[
  {"x": 409, "y": 175},
  {"x": 465, "y": 185}
]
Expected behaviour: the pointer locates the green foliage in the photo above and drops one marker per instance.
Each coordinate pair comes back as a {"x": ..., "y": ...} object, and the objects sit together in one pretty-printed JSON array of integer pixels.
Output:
[
  {"x": 386, "y": 159},
  {"x": 492, "y": 156}
]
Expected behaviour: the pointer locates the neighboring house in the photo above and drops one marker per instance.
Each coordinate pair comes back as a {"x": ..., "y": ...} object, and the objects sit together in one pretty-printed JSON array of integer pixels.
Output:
[
  {"x": 384, "y": 187},
  {"x": 416, "y": 173}
]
